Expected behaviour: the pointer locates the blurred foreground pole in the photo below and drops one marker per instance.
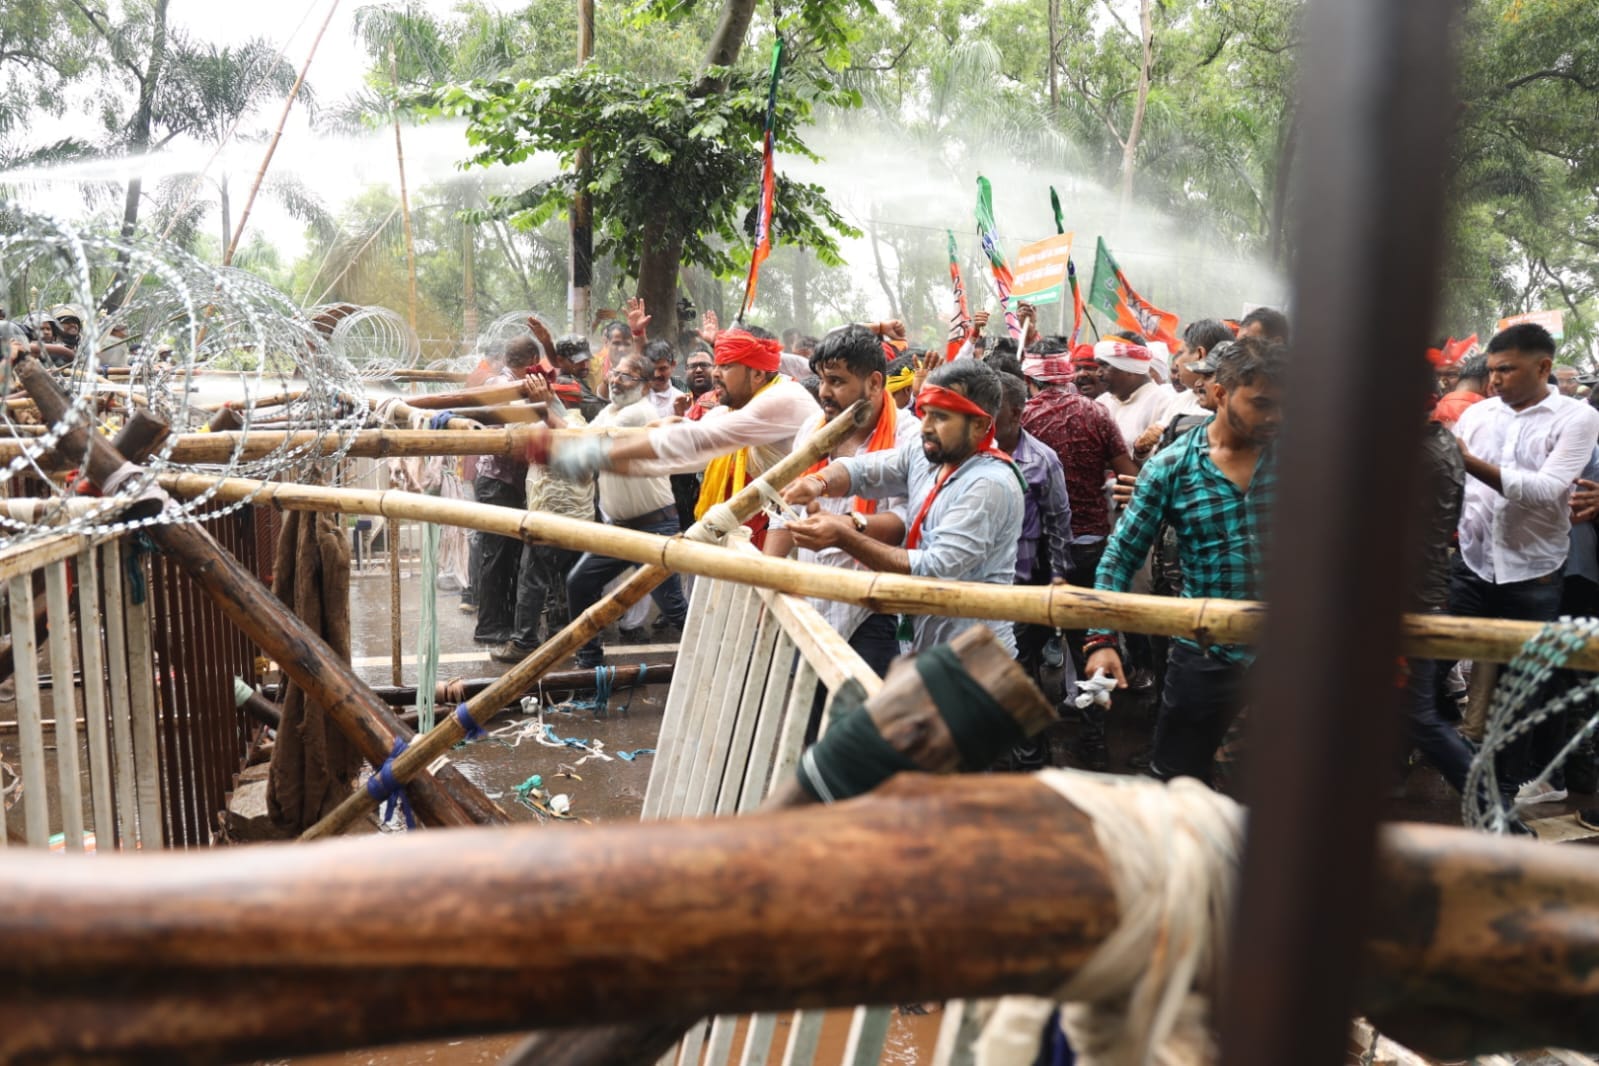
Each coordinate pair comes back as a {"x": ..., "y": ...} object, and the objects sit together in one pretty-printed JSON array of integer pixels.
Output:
[{"x": 1376, "y": 107}]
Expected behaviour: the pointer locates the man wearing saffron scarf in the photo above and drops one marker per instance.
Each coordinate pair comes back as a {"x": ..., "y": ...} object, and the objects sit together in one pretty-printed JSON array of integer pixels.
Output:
[
  {"x": 752, "y": 429},
  {"x": 852, "y": 364},
  {"x": 965, "y": 497}
]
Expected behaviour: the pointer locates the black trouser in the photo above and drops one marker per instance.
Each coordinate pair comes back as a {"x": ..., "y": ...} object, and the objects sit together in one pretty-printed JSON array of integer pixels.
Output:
[
  {"x": 501, "y": 566},
  {"x": 1202, "y": 695},
  {"x": 541, "y": 591},
  {"x": 586, "y": 581},
  {"x": 1534, "y": 600},
  {"x": 1085, "y": 563},
  {"x": 876, "y": 641}
]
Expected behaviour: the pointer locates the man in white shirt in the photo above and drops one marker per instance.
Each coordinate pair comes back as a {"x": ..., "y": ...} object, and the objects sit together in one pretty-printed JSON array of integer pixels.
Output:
[
  {"x": 1524, "y": 447},
  {"x": 1134, "y": 400},
  {"x": 852, "y": 365},
  {"x": 663, "y": 394},
  {"x": 749, "y": 433},
  {"x": 642, "y": 503}
]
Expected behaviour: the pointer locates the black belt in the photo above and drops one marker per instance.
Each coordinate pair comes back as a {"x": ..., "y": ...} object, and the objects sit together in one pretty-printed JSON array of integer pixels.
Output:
[{"x": 664, "y": 514}]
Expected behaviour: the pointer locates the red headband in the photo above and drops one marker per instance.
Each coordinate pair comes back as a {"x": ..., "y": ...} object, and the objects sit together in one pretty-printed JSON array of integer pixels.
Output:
[
  {"x": 737, "y": 346},
  {"x": 1083, "y": 355},
  {"x": 950, "y": 400}
]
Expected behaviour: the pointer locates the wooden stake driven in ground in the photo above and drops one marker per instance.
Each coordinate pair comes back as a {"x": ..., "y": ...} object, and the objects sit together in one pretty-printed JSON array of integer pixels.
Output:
[
  {"x": 926, "y": 889},
  {"x": 443, "y": 798},
  {"x": 1057, "y": 606},
  {"x": 451, "y": 730}
]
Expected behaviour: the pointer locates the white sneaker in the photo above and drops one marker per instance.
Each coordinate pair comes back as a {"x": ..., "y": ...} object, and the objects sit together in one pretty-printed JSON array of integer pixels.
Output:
[{"x": 1527, "y": 796}]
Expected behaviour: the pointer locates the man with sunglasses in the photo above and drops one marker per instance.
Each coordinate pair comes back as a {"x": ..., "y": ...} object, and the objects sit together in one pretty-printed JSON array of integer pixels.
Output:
[{"x": 644, "y": 503}]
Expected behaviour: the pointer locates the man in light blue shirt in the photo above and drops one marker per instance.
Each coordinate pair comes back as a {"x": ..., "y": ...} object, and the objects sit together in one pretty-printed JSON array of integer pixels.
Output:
[{"x": 965, "y": 496}]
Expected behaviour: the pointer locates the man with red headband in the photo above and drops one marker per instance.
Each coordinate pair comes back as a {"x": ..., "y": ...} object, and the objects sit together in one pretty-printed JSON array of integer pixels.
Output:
[
  {"x": 965, "y": 497},
  {"x": 852, "y": 364},
  {"x": 760, "y": 411}
]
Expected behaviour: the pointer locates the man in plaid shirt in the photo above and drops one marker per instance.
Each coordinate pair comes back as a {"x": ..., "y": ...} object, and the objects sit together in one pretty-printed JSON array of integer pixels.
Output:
[{"x": 1214, "y": 487}]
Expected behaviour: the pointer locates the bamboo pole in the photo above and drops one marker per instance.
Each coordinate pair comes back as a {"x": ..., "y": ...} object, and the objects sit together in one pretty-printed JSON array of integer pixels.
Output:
[
  {"x": 1060, "y": 606},
  {"x": 444, "y": 797},
  {"x": 475, "y": 397},
  {"x": 1000, "y": 887},
  {"x": 506, "y": 441},
  {"x": 277, "y": 135},
  {"x": 450, "y": 731}
]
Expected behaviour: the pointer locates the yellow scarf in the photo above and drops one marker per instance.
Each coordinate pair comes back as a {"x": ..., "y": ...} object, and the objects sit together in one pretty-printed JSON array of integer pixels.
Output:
[{"x": 726, "y": 474}]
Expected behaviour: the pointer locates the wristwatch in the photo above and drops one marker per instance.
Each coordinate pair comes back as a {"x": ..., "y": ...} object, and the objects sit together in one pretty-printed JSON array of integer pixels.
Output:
[{"x": 859, "y": 520}]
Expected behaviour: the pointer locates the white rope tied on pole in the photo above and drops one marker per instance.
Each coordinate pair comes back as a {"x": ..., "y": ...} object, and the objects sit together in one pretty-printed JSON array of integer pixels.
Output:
[
  {"x": 1172, "y": 853},
  {"x": 718, "y": 523}
]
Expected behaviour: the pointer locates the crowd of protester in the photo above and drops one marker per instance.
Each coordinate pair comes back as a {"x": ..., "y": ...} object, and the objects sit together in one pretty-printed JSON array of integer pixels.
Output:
[{"x": 1119, "y": 465}]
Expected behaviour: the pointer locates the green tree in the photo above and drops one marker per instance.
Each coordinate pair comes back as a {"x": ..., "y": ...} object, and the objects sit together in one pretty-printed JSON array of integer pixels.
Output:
[{"x": 674, "y": 162}]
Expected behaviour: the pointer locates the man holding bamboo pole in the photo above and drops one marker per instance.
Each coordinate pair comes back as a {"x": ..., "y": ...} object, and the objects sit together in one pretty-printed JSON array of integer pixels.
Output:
[
  {"x": 852, "y": 365},
  {"x": 761, "y": 410},
  {"x": 965, "y": 496}
]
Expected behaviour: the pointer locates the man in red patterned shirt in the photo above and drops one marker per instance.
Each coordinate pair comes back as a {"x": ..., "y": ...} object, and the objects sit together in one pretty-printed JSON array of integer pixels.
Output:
[{"x": 1084, "y": 435}]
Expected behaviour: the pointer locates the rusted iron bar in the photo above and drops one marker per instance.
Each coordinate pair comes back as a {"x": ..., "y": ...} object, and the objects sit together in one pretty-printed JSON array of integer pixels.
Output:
[{"x": 1376, "y": 107}]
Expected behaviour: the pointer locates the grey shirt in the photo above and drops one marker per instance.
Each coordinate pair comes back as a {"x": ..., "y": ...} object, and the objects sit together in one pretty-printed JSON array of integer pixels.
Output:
[{"x": 970, "y": 532}]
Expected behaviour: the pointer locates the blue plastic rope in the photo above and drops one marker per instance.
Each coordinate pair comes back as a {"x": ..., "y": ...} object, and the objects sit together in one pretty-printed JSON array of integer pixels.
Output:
[
  {"x": 468, "y": 723},
  {"x": 140, "y": 545},
  {"x": 441, "y": 420},
  {"x": 382, "y": 786}
]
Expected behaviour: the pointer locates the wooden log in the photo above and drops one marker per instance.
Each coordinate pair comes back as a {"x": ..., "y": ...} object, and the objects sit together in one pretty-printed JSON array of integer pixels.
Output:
[
  {"x": 935, "y": 888},
  {"x": 450, "y": 730},
  {"x": 1061, "y": 606},
  {"x": 445, "y": 797},
  {"x": 908, "y": 719}
]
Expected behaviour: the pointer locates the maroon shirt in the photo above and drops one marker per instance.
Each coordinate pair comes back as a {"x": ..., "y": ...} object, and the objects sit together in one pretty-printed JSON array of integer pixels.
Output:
[{"x": 1085, "y": 437}]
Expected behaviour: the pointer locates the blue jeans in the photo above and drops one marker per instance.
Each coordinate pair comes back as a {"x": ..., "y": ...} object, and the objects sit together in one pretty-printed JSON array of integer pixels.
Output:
[
  {"x": 1533, "y": 600},
  {"x": 586, "y": 582},
  {"x": 1435, "y": 738}
]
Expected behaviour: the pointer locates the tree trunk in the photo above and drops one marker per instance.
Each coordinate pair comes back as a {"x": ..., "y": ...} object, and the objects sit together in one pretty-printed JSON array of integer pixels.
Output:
[
  {"x": 405, "y": 205},
  {"x": 727, "y": 41},
  {"x": 1053, "y": 18},
  {"x": 657, "y": 280},
  {"x": 227, "y": 212},
  {"x": 1281, "y": 183},
  {"x": 1146, "y": 33},
  {"x": 139, "y": 143},
  {"x": 468, "y": 286},
  {"x": 882, "y": 275}
]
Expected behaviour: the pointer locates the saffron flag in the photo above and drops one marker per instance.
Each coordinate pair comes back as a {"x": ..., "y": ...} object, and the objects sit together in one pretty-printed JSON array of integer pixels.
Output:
[
  {"x": 1071, "y": 270},
  {"x": 989, "y": 232},
  {"x": 763, "y": 213},
  {"x": 1111, "y": 293},
  {"x": 960, "y": 326},
  {"x": 1452, "y": 352}
]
